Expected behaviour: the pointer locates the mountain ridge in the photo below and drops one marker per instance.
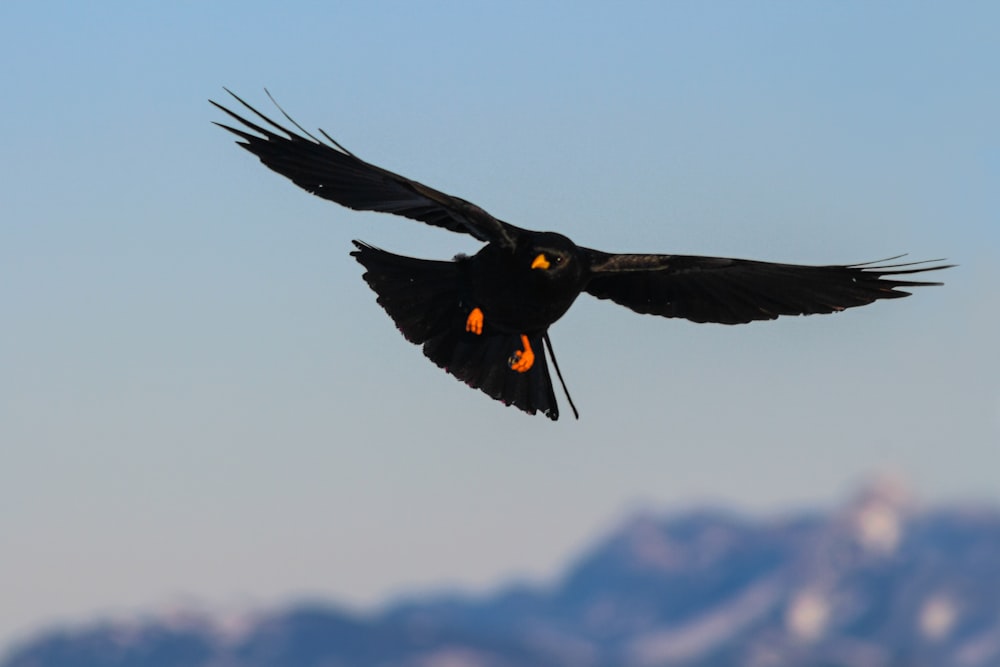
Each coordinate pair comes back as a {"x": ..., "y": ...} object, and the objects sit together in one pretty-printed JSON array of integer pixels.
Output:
[{"x": 878, "y": 582}]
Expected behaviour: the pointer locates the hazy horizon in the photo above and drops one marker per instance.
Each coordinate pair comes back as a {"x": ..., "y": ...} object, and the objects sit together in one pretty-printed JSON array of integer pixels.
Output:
[{"x": 864, "y": 507}]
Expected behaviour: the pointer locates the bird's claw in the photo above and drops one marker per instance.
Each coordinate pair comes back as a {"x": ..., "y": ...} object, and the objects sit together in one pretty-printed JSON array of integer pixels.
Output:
[
  {"x": 474, "y": 322},
  {"x": 522, "y": 360}
]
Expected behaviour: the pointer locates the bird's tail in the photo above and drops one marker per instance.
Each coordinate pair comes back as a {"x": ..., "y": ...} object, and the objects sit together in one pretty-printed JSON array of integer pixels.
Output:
[{"x": 427, "y": 301}]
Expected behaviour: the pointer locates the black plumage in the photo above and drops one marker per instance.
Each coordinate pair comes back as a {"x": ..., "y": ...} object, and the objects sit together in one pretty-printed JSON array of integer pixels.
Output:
[{"x": 484, "y": 318}]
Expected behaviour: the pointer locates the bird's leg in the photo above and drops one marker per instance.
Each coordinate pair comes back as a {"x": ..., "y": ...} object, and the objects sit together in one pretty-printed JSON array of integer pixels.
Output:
[
  {"x": 522, "y": 360},
  {"x": 474, "y": 322}
]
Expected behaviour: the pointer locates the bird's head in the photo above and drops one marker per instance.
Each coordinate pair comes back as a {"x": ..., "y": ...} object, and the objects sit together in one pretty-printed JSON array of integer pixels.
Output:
[
  {"x": 551, "y": 256},
  {"x": 549, "y": 252}
]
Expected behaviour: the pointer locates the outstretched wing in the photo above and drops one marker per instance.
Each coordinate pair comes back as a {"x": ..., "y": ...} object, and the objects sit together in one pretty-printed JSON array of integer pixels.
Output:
[
  {"x": 330, "y": 171},
  {"x": 735, "y": 291}
]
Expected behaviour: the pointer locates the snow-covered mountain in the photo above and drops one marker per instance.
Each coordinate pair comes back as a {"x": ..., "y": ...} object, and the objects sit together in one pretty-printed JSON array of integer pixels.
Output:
[{"x": 876, "y": 583}]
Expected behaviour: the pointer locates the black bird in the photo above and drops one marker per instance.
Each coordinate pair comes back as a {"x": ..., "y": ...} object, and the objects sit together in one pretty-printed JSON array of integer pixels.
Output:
[{"x": 485, "y": 318}]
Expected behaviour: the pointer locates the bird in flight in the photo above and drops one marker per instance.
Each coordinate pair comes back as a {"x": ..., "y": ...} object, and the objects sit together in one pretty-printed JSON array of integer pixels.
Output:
[{"x": 485, "y": 318}]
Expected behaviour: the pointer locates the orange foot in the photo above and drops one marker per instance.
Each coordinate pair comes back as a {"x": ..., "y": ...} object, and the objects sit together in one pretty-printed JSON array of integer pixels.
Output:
[
  {"x": 474, "y": 322},
  {"x": 522, "y": 360}
]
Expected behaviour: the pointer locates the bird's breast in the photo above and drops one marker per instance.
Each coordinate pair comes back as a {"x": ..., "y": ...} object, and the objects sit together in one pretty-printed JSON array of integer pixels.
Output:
[{"x": 515, "y": 298}]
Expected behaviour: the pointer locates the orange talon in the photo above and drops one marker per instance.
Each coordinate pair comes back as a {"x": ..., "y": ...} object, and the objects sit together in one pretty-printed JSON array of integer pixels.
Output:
[
  {"x": 474, "y": 322},
  {"x": 522, "y": 360}
]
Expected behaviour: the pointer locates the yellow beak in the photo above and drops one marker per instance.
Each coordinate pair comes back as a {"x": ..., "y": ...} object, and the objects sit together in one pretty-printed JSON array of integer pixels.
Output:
[{"x": 540, "y": 262}]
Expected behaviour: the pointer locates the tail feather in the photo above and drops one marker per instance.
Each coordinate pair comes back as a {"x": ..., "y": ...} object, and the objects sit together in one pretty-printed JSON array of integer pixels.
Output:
[
  {"x": 426, "y": 300},
  {"x": 421, "y": 296},
  {"x": 482, "y": 362}
]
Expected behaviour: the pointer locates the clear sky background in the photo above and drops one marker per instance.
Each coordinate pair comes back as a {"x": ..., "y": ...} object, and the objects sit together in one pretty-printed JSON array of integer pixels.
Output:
[{"x": 201, "y": 402}]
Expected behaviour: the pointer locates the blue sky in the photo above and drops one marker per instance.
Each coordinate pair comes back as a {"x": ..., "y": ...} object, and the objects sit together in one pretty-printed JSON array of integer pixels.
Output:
[{"x": 200, "y": 401}]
